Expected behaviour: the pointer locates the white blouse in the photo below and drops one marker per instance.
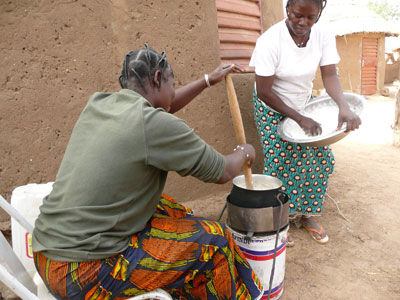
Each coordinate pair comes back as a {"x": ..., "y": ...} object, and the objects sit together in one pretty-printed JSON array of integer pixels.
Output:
[{"x": 294, "y": 68}]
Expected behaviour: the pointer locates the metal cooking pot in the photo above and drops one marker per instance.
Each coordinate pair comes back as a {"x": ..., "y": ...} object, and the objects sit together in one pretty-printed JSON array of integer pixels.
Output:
[
  {"x": 257, "y": 210},
  {"x": 256, "y": 198}
]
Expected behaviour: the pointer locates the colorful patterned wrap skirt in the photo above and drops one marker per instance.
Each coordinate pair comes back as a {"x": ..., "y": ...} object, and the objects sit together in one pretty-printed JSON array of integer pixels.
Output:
[
  {"x": 189, "y": 257},
  {"x": 303, "y": 170}
]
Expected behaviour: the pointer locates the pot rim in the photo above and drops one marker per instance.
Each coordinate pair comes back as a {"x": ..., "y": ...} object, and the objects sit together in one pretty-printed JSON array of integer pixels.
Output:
[{"x": 239, "y": 181}]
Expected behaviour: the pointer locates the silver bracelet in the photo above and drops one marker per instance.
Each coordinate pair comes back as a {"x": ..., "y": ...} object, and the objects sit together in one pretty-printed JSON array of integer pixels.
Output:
[
  {"x": 207, "y": 81},
  {"x": 238, "y": 147}
]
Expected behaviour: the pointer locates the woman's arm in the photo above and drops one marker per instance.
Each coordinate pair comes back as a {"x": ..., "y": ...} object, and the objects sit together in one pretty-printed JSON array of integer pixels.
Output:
[
  {"x": 187, "y": 93},
  {"x": 235, "y": 162},
  {"x": 334, "y": 90},
  {"x": 265, "y": 94}
]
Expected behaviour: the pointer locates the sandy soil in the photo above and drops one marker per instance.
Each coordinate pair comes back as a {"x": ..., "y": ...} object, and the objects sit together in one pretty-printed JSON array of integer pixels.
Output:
[{"x": 361, "y": 259}]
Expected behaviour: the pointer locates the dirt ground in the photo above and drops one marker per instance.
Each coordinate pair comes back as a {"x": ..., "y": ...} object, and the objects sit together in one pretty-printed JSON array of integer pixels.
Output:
[{"x": 361, "y": 260}]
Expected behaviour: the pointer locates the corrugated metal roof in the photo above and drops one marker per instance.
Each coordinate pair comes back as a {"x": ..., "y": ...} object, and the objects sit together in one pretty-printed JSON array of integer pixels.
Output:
[
  {"x": 353, "y": 16},
  {"x": 239, "y": 26}
]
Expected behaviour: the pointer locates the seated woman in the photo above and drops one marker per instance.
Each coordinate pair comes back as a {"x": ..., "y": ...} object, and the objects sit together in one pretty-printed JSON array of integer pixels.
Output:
[{"x": 104, "y": 233}]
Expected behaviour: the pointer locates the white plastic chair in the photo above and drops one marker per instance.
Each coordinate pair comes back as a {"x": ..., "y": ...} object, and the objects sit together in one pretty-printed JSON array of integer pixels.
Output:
[{"x": 14, "y": 275}]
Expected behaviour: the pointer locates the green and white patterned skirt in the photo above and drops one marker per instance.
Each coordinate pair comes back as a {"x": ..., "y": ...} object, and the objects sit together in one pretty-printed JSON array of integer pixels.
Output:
[{"x": 303, "y": 170}]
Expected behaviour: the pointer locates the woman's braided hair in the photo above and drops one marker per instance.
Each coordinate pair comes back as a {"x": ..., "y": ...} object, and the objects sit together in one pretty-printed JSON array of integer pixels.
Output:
[
  {"x": 142, "y": 64},
  {"x": 320, "y": 3}
]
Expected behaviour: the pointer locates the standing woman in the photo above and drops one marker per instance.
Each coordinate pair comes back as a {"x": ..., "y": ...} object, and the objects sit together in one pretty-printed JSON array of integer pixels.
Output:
[{"x": 286, "y": 58}]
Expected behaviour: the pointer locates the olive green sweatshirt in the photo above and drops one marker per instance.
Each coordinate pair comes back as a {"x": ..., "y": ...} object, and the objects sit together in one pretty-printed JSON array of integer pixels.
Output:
[{"x": 113, "y": 173}]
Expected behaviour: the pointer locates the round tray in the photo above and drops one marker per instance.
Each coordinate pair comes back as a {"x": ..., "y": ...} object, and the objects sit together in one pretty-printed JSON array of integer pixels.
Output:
[{"x": 325, "y": 111}]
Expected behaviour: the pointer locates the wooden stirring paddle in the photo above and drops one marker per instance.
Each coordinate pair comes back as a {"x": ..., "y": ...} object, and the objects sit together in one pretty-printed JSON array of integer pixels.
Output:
[{"x": 238, "y": 126}]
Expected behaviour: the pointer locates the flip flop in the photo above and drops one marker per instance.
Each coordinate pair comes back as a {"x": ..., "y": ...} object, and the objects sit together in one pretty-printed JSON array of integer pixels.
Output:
[
  {"x": 289, "y": 240},
  {"x": 319, "y": 232}
]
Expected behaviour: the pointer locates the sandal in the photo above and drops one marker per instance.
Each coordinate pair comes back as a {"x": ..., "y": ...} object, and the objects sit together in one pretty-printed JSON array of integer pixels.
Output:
[
  {"x": 312, "y": 232},
  {"x": 289, "y": 240}
]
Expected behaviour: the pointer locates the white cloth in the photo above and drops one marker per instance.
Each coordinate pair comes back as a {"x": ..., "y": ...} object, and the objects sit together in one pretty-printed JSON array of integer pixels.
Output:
[{"x": 294, "y": 68}]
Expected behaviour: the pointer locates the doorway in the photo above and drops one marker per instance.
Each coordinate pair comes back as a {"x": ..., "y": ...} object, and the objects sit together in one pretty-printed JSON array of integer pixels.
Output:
[{"x": 369, "y": 66}]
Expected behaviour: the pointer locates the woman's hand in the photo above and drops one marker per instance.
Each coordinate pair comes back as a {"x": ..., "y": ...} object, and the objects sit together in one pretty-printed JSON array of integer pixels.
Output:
[
  {"x": 347, "y": 116},
  {"x": 222, "y": 70},
  {"x": 309, "y": 126},
  {"x": 242, "y": 154},
  {"x": 249, "y": 149}
]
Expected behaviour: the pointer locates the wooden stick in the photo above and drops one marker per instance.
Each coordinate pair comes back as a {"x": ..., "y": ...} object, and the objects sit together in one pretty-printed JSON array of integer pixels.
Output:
[{"x": 238, "y": 126}]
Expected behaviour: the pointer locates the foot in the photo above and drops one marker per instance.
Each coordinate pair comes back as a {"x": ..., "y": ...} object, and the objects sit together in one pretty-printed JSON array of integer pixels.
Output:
[{"x": 316, "y": 231}]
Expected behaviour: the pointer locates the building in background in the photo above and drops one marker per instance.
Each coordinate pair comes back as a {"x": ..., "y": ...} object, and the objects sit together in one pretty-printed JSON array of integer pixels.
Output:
[{"x": 360, "y": 36}]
